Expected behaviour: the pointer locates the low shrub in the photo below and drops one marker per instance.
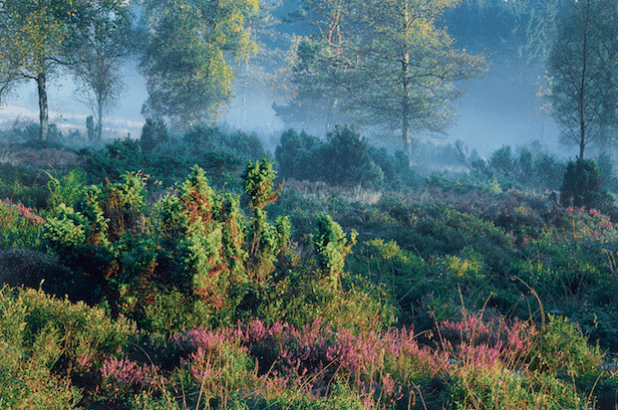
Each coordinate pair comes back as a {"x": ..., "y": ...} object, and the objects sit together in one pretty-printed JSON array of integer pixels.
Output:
[
  {"x": 344, "y": 159},
  {"x": 20, "y": 226},
  {"x": 43, "y": 340},
  {"x": 582, "y": 186}
]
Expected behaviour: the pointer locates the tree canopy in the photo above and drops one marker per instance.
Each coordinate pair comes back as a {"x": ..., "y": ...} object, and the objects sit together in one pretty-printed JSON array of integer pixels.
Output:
[
  {"x": 387, "y": 63},
  {"x": 583, "y": 66},
  {"x": 186, "y": 60}
]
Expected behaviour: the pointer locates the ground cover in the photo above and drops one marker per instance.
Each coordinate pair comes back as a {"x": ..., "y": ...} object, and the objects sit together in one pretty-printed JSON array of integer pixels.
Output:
[{"x": 213, "y": 284}]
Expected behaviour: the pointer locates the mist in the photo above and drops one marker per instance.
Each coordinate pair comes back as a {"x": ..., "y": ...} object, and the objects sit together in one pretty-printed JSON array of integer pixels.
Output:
[{"x": 500, "y": 108}]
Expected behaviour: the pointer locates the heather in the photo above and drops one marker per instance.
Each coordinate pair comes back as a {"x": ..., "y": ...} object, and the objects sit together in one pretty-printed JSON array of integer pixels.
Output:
[{"x": 214, "y": 283}]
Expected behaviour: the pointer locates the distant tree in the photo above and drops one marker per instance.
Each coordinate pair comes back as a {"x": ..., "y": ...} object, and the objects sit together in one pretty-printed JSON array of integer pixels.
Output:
[
  {"x": 583, "y": 66},
  {"x": 316, "y": 66},
  {"x": 388, "y": 62},
  {"x": 154, "y": 132},
  {"x": 39, "y": 36},
  {"x": 98, "y": 73},
  {"x": 185, "y": 60},
  {"x": 502, "y": 160},
  {"x": 317, "y": 100}
]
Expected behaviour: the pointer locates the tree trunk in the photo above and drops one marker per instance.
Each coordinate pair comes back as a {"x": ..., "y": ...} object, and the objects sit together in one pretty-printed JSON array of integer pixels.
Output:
[
  {"x": 100, "y": 120},
  {"x": 583, "y": 87},
  {"x": 405, "y": 111},
  {"x": 43, "y": 108},
  {"x": 405, "y": 100}
]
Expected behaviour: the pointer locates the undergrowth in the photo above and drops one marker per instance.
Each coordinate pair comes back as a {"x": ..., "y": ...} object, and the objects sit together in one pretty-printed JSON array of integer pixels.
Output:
[{"x": 201, "y": 281}]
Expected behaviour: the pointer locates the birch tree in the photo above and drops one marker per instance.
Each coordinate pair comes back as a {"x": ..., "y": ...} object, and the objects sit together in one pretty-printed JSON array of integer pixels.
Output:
[
  {"x": 583, "y": 66},
  {"x": 389, "y": 63},
  {"x": 39, "y": 37},
  {"x": 188, "y": 57}
]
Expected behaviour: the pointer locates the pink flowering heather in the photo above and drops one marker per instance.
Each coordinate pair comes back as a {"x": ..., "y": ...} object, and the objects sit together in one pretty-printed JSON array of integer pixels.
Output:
[
  {"x": 120, "y": 376},
  {"x": 488, "y": 344},
  {"x": 29, "y": 214},
  {"x": 213, "y": 350},
  {"x": 381, "y": 367}
]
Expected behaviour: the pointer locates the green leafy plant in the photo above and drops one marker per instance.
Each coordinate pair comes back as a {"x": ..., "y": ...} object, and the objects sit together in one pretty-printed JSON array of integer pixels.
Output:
[
  {"x": 332, "y": 246},
  {"x": 268, "y": 241},
  {"x": 582, "y": 185},
  {"x": 67, "y": 189}
]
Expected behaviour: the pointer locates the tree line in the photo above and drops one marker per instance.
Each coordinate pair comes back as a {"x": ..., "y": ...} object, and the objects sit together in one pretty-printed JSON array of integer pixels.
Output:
[{"x": 389, "y": 67}]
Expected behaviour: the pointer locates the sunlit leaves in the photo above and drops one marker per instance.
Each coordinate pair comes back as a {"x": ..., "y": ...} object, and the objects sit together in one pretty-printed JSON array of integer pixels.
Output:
[{"x": 186, "y": 62}]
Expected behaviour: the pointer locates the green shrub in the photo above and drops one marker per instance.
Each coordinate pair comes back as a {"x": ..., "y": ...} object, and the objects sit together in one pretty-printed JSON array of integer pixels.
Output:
[
  {"x": 44, "y": 340},
  {"x": 24, "y": 185},
  {"x": 344, "y": 159},
  {"x": 582, "y": 185},
  {"x": 191, "y": 254},
  {"x": 201, "y": 139},
  {"x": 66, "y": 190},
  {"x": 165, "y": 165},
  {"x": 502, "y": 160},
  {"x": 294, "y": 155},
  {"x": 332, "y": 246},
  {"x": 549, "y": 171},
  {"x": 154, "y": 132}
]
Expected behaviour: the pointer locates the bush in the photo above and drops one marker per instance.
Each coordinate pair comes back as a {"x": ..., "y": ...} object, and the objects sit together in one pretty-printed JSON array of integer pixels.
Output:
[
  {"x": 154, "y": 132},
  {"x": 502, "y": 160},
  {"x": 24, "y": 185},
  {"x": 203, "y": 139},
  {"x": 582, "y": 185},
  {"x": 166, "y": 168},
  {"x": 294, "y": 155},
  {"x": 344, "y": 159},
  {"x": 42, "y": 341},
  {"x": 20, "y": 226}
]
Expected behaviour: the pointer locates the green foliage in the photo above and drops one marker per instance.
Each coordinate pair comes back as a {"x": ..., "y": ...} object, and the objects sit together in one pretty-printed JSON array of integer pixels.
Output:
[
  {"x": 154, "y": 132},
  {"x": 42, "y": 339},
  {"x": 345, "y": 159},
  {"x": 303, "y": 297},
  {"x": 66, "y": 190},
  {"x": 39, "y": 39},
  {"x": 20, "y": 227},
  {"x": 403, "y": 83},
  {"x": 583, "y": 72},
  {"x": 204, "y": 138},
  {"x": 502, "y": 161},
  {"x": 187, "y": 76},
  {"x": 582, "y": 185},
  {"x": 549, "y": 171},
  {"x": 24, "y": 185},
  {"x": 168, "y": 161},
  {"x": 295, "y": 155},
  {"x": 563, "y": 351},
  {"x": 268, "y": 241},
  {"x": 332, "y": 247}
]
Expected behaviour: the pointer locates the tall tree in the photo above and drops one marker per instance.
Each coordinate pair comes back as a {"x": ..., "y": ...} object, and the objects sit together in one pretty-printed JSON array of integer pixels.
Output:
[
  {"x": 39, "y": 36},
  {"x": 583, "y": 65},
  {"x": 107, "y": 43},
  {"x": 186, "y": 59},
  {"x": 390, "y": 62}
]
